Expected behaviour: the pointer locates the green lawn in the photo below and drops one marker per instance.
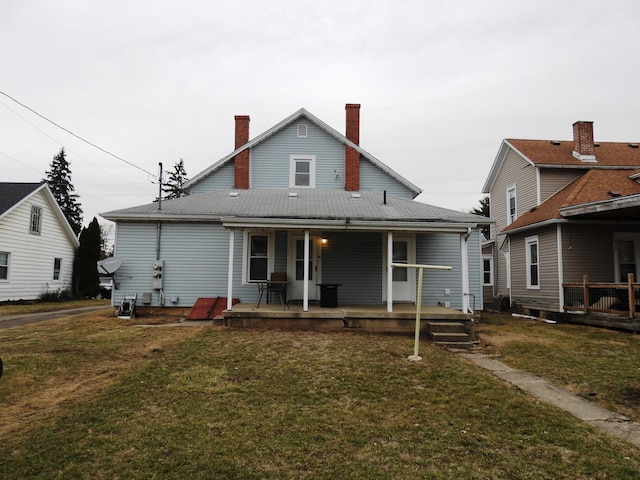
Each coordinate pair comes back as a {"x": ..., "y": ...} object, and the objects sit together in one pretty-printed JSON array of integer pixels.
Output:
[{"x": 95, "y": 397}]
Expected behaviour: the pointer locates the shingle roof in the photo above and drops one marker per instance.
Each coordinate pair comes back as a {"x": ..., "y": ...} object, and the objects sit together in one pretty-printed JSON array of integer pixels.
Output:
[
  {"x": 595, "y": 185},
  {"x": 12, "y": 193},
  {"x": 295, "y": 204},
  {"x": 547, "y": 152}
]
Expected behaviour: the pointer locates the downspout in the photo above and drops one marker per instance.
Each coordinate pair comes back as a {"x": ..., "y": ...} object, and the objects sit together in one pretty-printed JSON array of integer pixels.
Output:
[
  {"x": 232, "y": 241},
  {"x": 158, "y": 233},
  {"x": 464, "y": 259}
]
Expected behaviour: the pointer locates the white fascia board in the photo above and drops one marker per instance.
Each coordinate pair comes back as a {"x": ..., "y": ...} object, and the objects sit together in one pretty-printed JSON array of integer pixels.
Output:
[
  {"x": 341, "y": 224},
  {"x": 497, "y": 164},
  {"x": 601, "y": 206},
  {"x": 546, "y": 223}
]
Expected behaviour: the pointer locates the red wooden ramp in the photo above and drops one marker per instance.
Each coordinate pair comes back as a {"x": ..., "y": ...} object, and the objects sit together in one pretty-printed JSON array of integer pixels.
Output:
[{"x": 209, "y": 308}]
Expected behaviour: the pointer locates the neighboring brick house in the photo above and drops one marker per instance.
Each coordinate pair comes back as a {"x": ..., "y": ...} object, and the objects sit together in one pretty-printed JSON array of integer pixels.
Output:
[
  {"x": 303, "y": 200},
  {"x": 562, "y": 210}
]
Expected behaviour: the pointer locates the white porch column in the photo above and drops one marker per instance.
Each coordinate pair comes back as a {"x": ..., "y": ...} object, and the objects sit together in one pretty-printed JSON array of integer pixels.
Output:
[
  {"x": 464, "y": 260},
  {"x": 232, "y": 241},
  {"x": 305, "y": 294},
  {"x": 389, "y": 272}
]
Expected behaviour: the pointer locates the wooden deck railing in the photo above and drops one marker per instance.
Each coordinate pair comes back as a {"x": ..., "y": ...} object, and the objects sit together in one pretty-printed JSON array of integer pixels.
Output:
[{"x": 615, "y": 298}]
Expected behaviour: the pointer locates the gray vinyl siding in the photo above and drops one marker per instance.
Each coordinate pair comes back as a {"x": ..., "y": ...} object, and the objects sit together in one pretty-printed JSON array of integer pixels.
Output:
[
  {"x": 589, "y": 250},
  {"x": 270, "y": 159},
  {"x": 546, "y": 297},
  {"x": 223, "y": 178},
  {"x": 354, "y": 260},
  {"x": 516, "y": 171},
  {"x": 372, "y": 178},
  {"x": 440, "y": 249},
  {"x": 554, "y": 180},
  {"x": 195, "y": 259}
]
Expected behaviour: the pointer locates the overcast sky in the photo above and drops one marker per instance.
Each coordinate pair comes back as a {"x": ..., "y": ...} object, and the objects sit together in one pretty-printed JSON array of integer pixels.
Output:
[{"x": 441, "y": 83}]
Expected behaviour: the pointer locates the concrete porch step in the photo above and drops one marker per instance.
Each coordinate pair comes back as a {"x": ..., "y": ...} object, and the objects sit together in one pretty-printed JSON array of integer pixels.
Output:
[
  {"x": 448, "y": 337},
  {"x": 446, "y": 327}
]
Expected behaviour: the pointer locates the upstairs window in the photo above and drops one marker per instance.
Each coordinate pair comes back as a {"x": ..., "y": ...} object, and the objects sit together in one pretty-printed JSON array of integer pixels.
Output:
[
  {"x": 4, "y": 265},
  {"x": 57, "y": 267},
  {"x": 302, "y": 172},
  {"x": 533, "y": 262},
  {"x": 511, "y": 205},
  {"x": 36, "y": 220}
]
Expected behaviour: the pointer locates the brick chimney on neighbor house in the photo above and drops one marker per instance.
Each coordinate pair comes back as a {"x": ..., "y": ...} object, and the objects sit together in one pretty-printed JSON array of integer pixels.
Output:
[
  {"x": 583, "y": 145},
  {"x": 241, "y": 160},
  {"x": 351, "y": 155}
]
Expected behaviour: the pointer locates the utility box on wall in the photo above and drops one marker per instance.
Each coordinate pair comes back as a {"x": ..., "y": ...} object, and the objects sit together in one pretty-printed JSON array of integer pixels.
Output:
[{"x": 158, "y": 272}]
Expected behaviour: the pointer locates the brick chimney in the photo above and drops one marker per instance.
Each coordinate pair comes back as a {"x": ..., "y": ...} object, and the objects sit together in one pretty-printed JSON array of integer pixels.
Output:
[
  {"x": 583, "y": 145},
  {"x": 351, "y": 155},
  {"x": 241, "y": 161}
]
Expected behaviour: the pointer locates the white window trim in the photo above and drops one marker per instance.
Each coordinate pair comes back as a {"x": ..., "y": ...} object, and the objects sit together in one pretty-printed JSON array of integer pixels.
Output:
[
  {"x": 53, "y": 275},
  {"x": 515, "y": 200},
  {"x": 303, "y": 130},
  {"x": 528, "y": 241},
  {"x": 38, "y": 230},
  {"x": 293, "y": 159},
  {"x": 8, "y": 265},
  {"x": 490, "y": 258},
  {"x": 271, "y": 249}
]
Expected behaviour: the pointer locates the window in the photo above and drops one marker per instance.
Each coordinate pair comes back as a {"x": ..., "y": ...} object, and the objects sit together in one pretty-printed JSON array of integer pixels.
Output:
[
  {"x": 302, "y": 171},
  {"x": 302, "y": 130},
  {"x": 57, "y": 266},
  {"x": 258, "y": 264},
  {"x": 4, "y": 266},
  {"x": 487, "y": 270},
  {"x": 626, "y": 256},
  {"x": 36, "y": 220},
  {"x": 511, "y": 205},
  {"x": 533, "y": 262}
]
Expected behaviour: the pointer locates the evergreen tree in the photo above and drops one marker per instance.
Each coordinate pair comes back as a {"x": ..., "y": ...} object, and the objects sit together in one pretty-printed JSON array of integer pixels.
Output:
[
  {"x": 177, "y": 178},
  {"x": 59, "y": 181},
  {"x": 86, "y": 279},
  {"x": 483, "y": 210}
]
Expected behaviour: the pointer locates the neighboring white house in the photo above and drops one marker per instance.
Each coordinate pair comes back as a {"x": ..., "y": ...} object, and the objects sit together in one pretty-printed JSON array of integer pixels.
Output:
[{"x": 37, "y": 244}]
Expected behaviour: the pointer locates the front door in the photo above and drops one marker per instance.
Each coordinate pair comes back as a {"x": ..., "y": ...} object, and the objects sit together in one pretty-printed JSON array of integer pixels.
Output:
[
  {"x": 296, "y": 267},
  {"x": 403, "y": 279}
]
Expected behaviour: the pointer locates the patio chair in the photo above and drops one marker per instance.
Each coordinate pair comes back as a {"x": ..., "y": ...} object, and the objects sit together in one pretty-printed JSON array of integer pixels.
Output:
[{"x": 278, "y": 284}]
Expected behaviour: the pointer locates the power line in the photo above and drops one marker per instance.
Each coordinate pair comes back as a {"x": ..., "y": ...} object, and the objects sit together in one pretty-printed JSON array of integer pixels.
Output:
[{"x": 77, "y": 136}]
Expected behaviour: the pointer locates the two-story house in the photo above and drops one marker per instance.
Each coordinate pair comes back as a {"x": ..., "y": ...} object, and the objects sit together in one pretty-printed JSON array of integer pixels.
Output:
[
  {"x": 307, "y": 201},
  {"x": 562, "y": 210},
  {"x": 37, "y": 244}
]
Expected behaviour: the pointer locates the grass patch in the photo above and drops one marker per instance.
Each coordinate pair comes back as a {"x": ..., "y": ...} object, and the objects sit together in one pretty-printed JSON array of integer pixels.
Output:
[
  {"x": 598, "y": 364},
  {"x": 11, "y": 308},
  {"x": 94, "y": 397}
]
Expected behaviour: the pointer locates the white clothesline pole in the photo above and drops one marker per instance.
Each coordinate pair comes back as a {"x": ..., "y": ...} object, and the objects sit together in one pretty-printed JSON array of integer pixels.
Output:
[{"x": 415, "y": 357}]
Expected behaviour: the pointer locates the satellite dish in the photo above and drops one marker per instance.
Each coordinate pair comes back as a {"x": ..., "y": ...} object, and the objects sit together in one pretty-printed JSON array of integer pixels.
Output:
[{"x": 108, "y": 266}]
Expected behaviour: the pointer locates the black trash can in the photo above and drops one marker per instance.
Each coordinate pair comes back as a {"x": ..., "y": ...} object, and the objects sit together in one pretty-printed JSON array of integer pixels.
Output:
[{"x": 329, "y": 295}]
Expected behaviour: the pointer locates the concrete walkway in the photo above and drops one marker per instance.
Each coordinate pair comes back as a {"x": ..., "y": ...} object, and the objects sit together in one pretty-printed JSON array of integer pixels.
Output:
[
  {"x": 17, "y": 320},
  {"x": 610, "y": 422}
]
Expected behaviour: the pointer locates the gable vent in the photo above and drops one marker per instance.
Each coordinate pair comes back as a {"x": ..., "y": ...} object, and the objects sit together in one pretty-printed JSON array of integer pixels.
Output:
[{"x": 302, "y": 130}]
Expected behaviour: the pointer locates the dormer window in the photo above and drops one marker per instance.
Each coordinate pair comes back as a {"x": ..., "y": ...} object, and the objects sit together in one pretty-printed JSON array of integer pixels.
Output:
[
  {"x": 303, "y": 171},
  {"x": 302, "y": 130}
]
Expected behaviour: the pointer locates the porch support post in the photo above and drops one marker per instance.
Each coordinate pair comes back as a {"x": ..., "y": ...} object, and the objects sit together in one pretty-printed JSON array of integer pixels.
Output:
[
  {"x": 632, "y": 299},
  {"x": 464, "y": 260},
  {"x": 389, "y": 272},
  {"x": 305, "y": 294},
  {"x": 232, "y": 241}
]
